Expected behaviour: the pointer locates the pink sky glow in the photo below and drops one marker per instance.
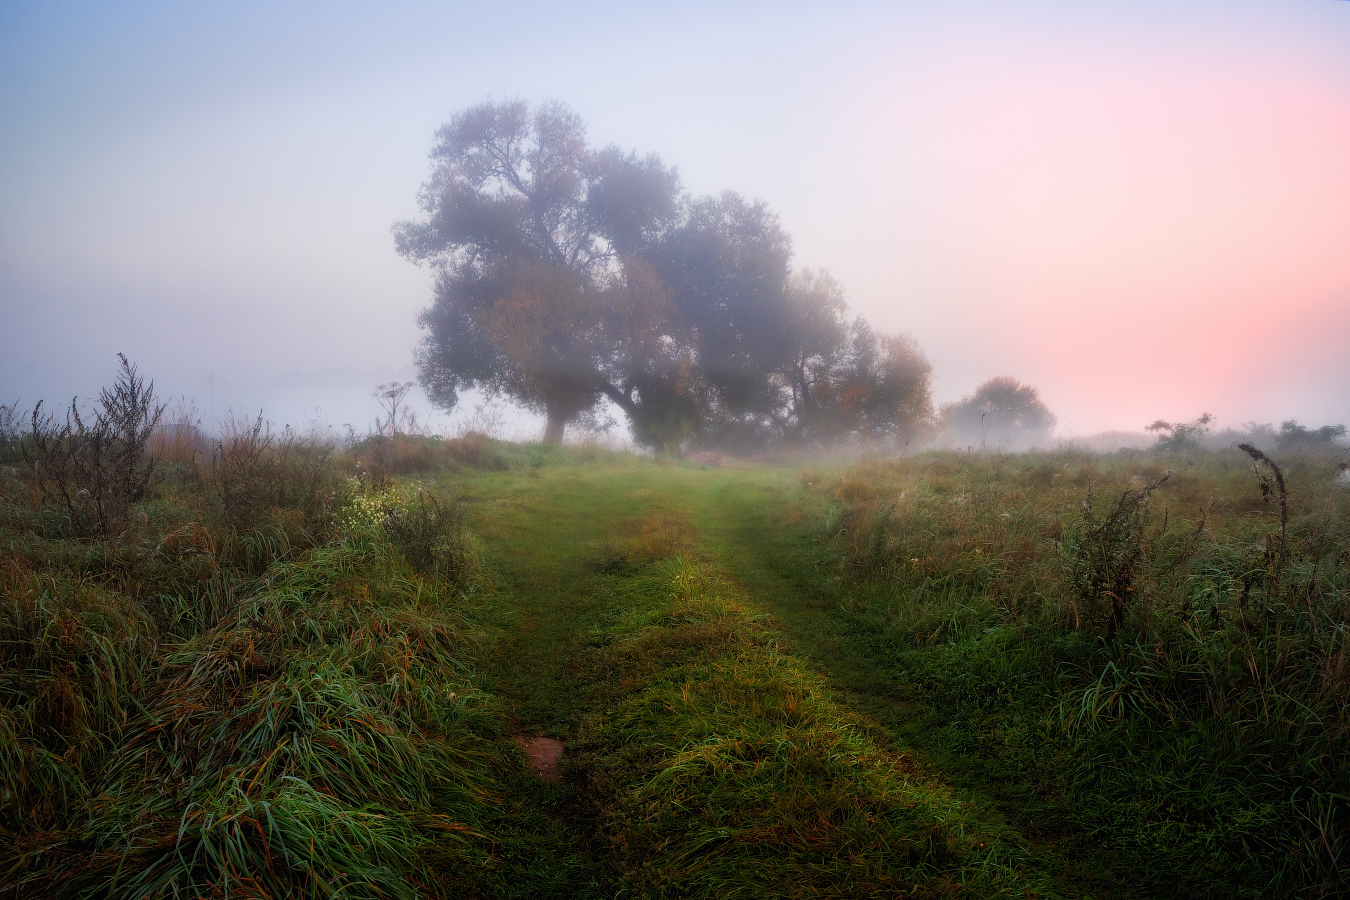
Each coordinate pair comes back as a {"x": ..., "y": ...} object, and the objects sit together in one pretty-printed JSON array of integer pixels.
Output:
[{"x": 1140, "y": 234}]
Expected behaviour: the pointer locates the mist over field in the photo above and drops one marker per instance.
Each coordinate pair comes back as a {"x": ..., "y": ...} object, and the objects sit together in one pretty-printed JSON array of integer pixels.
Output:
[
  {"x": 731, "y": 450},
  {"x": 1137, "y": 210}
]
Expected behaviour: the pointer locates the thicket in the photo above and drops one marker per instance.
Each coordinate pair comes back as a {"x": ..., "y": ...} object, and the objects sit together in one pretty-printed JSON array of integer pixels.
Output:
[{"x": 1164, "y": 642}]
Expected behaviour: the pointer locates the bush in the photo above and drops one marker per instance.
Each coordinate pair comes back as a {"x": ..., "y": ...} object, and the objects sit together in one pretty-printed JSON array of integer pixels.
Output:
[
  {"x": 1294, "y": 438},
  {"x": 1108, "y": 556},
  {"x": 429, "y": 534},
  {"x": 96, "y": 470},
  {"x": 1180, "y": 437},
  {"x": 254, "y": 473}
]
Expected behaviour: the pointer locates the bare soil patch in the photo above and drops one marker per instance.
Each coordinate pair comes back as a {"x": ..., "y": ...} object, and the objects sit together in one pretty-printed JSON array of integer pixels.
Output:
[{"x": 545, "y": 755}]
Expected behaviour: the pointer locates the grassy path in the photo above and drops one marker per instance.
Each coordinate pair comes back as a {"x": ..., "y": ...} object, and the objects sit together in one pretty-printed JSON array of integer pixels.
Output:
[
  {"x": 548, "y": 532},
  {"x": 737, "y": 518},
  {"x": 783, "y": 575},
  {"x": 540, "y": 531},
  {"x": 557, "y": 535}
]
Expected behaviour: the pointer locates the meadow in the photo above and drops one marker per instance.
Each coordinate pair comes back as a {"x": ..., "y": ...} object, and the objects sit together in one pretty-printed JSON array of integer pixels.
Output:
[{"x": 287, "y": 670}]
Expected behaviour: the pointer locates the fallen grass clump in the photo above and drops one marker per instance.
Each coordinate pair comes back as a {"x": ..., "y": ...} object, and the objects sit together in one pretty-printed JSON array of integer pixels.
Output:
[
  {"x": 1158, "y": 646},
  {"x": 718, "y": 766}
]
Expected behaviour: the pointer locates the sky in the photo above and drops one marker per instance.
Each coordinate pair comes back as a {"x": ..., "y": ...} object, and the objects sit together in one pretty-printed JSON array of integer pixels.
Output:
[{"x": 1141, "y": 209}]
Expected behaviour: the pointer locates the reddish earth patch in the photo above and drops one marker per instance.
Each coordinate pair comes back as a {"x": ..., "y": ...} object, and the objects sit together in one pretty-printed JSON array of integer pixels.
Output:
[{"x": 545, "y": 754}]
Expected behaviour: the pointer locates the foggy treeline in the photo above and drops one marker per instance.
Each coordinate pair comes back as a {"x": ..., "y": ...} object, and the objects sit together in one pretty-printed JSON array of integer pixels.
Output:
[
  {"x": 575, "y": 279},
  {"x": 567, "y": 276}
]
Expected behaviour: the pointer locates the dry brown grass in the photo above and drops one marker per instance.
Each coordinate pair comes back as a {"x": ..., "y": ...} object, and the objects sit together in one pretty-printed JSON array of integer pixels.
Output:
[
  {"x": 855, "y": 490},
  {"x": 666, "y": 534}
]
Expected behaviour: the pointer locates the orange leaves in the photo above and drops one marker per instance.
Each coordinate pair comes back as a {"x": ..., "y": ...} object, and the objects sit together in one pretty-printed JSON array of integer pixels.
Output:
[{"x": 540, "y": 301}]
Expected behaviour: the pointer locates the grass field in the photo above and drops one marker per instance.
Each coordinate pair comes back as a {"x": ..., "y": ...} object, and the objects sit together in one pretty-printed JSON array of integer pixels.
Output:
[{"x": 1049, "y": 675}]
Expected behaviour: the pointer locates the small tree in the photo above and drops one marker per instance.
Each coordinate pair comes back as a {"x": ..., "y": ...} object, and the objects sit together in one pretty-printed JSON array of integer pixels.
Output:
[
  {"x": 876, "y": 387},
  {"x": 1180, "y": 437},
  {"x": 1002, "y": 412}
]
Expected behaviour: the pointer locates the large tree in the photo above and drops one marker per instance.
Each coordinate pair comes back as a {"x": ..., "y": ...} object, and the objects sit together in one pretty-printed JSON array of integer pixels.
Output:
[
  {"x": 566, "y": 275},
  {"x": 525, "y": 228},
  {"x": 725, "y": 269}
]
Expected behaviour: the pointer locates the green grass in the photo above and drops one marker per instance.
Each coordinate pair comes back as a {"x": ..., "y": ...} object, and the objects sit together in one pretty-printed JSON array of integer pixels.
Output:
[
  {"x": 892, "y": 677},
  {"x": 325, "y": 735},
  {"x": 1198, "y": 753},
  {"x": 719, "y": 766}
]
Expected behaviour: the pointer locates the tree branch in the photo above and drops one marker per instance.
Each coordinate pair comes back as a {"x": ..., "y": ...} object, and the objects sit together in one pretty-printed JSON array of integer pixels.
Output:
[{"x": 621, "y": 400}]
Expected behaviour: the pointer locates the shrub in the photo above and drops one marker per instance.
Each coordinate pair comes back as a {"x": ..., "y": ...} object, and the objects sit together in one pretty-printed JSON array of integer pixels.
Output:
[
  {"x": 1108, "y": 555},
  {"x": 429, "y": 534},
  {"x": 97, "y": 469},
  {"x": 1294, "y": 437},
  {"x": 254, "y": 473},
  {"x": 1180, "y": 437}
]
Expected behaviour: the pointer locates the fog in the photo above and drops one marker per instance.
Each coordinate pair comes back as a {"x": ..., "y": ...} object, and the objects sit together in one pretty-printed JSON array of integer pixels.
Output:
[{"x": 1137, "y": 209}]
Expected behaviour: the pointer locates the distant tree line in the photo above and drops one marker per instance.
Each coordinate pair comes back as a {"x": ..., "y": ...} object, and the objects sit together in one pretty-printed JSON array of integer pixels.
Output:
[
  {"x": 1289, "y": 439},
  {"x": 566, "y": 276},
  {"x": 569, "y": 277}
]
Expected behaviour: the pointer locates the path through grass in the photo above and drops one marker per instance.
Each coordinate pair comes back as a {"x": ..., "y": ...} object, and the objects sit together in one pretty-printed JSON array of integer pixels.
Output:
[
  {"x": 549, "y": 532},
  {"x": 576, "y": 551},
  {"x": 794, "y": 579}
]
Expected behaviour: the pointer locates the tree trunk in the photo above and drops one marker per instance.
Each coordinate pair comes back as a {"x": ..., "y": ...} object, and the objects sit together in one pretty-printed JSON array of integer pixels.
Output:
[{"x": 553, "y": 431}]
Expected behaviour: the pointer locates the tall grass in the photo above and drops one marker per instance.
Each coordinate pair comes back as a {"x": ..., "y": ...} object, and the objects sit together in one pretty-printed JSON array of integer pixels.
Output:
[
  {"x": 1179, "y": 633},
  {"x": 258, "y": 693},
  {"x": 262, "y": 681}
]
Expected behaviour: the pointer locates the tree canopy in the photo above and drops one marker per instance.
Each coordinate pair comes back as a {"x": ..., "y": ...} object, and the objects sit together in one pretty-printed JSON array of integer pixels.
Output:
[
  {"x": 1176, "y": 437},
  {"x": 1002, "y": 412},
  {"x": 566, "y": 275},
  {"x": 524, "y": 227}
]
